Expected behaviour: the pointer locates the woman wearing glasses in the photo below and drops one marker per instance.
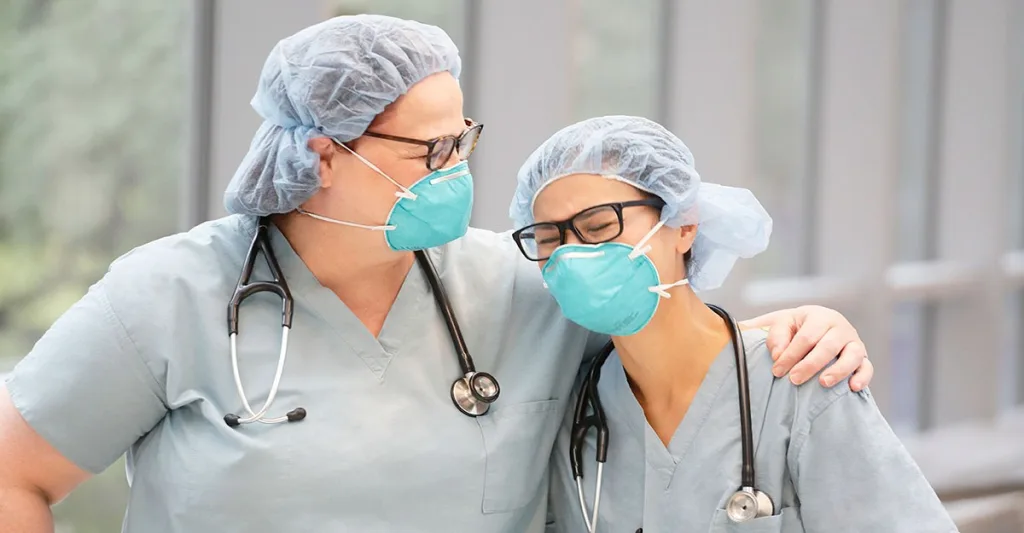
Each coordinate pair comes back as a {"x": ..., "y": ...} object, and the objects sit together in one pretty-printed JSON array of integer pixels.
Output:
[
  {"x": 359, "y": 162},
  {"x": 693, "y": 432}
]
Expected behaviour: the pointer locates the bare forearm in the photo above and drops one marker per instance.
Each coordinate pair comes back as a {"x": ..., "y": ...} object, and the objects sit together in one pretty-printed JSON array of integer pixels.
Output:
[{"x": 24, "y": 511}]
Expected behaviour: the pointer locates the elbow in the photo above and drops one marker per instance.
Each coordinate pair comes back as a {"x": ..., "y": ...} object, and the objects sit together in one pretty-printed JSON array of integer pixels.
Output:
[
  {"x": 14, "y": 490},
  {"x": 25, "y": 508}
]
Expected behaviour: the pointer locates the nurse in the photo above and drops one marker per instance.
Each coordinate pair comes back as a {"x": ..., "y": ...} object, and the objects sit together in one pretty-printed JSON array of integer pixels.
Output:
[
  {"x": 357, "y": 112},
  {"x": 626, "y": 235}
]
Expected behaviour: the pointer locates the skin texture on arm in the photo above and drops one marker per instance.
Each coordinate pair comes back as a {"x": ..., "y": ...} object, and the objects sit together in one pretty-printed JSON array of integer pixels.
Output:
[{"x": 33, "y": 475}]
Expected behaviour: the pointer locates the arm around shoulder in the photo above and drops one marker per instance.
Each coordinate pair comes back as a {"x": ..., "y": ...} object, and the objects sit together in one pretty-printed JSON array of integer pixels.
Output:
[{"x": 852, "y": 473}]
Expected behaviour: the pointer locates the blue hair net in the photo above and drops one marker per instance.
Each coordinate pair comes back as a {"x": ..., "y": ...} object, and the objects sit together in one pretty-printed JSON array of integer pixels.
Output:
[
  {"x": 731, "y": 222},
  {"x": 328, "y": 80}
]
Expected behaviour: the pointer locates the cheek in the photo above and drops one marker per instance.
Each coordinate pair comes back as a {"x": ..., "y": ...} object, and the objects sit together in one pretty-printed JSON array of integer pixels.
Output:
[
  {"x": 366, "y": 196},
  {"x": 405, "y": 172},
  {"x": 668, "y": 262},
  {"x": 632, "y": 233}
]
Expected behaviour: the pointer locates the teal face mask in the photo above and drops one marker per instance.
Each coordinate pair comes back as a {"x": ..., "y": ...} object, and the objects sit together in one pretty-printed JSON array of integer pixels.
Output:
[
  {"x": 609, "y": 288},
  {"x": 434, "y": 211}
]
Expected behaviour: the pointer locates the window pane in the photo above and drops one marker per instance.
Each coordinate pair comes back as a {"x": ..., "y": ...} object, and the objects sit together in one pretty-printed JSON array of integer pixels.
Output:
[
  {"x": 615, "y": 58},
  {"x": 916, "y": 203},
  {"x": 909, "y": 322},
  {"x": 784, "y": 78},
  {"x": 1016, "y": 197},
  {"x": 91, "y": 156},
  {"x": 917, "y": 183},
  {"x": 1012, "y": 385}
]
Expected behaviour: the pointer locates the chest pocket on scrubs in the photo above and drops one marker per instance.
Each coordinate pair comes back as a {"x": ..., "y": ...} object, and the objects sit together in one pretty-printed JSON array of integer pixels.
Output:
[
  {"x": 517, "y": 440},
  {"x": 787, "y": 521}
]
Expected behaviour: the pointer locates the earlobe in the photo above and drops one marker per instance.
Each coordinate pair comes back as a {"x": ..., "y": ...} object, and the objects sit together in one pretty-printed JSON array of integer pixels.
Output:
[
  {"x": 323, "y": 148},
  {"x": 686, "y": 236}
]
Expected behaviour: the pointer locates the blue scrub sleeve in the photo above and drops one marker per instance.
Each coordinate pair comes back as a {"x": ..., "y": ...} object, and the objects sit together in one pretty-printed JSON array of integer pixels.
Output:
[
  {"x": 84, "y": 386},
  {"x": 852, "y": 474}
]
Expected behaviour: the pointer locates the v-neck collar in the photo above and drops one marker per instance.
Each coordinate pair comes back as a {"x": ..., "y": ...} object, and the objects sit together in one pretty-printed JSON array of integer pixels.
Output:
[
  {"x": 402, "y": 321},
  {"x": 663, "y": 461}
]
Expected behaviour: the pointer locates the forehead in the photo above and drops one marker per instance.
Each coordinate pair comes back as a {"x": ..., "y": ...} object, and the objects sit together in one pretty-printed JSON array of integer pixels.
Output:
[
  {"x": 565, "y": 197},
  {"x": 431, "y": 108}
]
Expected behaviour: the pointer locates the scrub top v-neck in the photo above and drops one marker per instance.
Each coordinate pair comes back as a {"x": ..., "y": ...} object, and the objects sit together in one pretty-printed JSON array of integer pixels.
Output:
[{"x": 142, "y": 364}]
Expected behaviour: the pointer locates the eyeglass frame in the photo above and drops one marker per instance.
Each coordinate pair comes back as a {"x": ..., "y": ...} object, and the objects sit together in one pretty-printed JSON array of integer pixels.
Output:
[
  {"x": 564, "y": 226},
  {"x": 431, "y": 143}
]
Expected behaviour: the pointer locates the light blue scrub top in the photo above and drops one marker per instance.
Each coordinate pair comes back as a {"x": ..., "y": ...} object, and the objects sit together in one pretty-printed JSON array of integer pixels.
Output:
[
  {"x": 826, "y": 457},
  {"x": 142, "y": 364}
]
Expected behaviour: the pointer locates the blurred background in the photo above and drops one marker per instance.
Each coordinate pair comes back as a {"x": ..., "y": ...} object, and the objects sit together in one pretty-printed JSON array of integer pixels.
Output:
[{"x": 886, "y": 138}]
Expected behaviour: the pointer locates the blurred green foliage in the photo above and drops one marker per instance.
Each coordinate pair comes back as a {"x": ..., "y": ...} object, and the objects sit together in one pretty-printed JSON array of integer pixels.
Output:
[
  {"x": 91, "y": 147},
  {"x": 91, "y": 155}
]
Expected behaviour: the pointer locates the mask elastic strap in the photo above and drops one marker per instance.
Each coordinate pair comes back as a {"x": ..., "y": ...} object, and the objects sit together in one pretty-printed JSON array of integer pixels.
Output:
[
  {"x": 641, "y": 247},
  {"x": 662, "y": 290},
  {"x": 402, "y": 193},
  {"x": 343, "y": 223}
]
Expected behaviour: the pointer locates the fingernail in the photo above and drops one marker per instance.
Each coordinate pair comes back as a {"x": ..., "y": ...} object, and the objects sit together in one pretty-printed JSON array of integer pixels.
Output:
[
  {"x": 828, "y": 381},
  {"x": 777, "y": 371},
  {"x": 797, "y": 379}
]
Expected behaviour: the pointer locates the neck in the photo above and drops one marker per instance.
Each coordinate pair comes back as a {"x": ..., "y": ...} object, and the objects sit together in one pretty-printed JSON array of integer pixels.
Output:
[
  {"x": 667, "y": 360},
  {"x": 354, "y": 263}
]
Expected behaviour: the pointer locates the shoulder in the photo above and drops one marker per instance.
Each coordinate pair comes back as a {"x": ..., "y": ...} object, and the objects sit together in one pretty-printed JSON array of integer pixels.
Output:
[
  {"x": 481, "y": 244},
  {"x": 493, "y": 259},
  {"x": 185, "y": 259},
  {"x": 170, "y": 280},
  {"x": 797, "y": 405},
  {"x": 214, "y": 241}
]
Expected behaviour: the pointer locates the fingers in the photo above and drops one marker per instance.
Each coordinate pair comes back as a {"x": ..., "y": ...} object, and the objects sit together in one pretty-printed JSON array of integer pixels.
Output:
[
  {"x": 780, "y": 335},
  {"x": 765, "y": 320},
  {"x": 781, "y": 325},
  {"x": 851, "y": 356},
  {"x": 807, "y": 336},
  {"x": 820, "y": 355},
  {"x": 862, "y": 377}
]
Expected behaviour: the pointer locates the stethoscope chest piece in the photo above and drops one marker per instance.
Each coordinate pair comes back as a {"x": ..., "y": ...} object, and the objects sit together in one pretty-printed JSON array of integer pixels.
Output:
[
  {"x": 747, "y": 504},
  {"x": 474, "y": 393}
]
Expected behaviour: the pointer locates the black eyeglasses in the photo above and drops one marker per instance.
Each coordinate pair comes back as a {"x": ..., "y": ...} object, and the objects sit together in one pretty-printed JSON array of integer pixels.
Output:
[
  {"x": 594, "y": 225},
  {"x": 440, "y": 149}
]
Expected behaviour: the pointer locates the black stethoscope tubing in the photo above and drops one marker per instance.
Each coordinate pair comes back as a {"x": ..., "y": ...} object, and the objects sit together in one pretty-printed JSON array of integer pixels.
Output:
[
  {"x": 472, "y": 393},
  {"x": 745, "y": 504}
]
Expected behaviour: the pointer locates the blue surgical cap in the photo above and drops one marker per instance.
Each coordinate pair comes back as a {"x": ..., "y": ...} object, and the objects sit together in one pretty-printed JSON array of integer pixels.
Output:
[
  {"x": 731, "y": 223},
  {"x": 328, "y": 80}
]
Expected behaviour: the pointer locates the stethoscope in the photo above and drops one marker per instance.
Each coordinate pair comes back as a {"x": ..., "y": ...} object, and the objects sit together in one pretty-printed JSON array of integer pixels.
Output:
[
  {"x": 745, "y": 504},
  {"x": 472, "y": 394}
]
